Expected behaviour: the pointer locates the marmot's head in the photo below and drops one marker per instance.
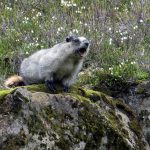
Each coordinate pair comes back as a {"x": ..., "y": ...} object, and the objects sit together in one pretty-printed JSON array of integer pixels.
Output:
[{"x": 80, "y": 44}]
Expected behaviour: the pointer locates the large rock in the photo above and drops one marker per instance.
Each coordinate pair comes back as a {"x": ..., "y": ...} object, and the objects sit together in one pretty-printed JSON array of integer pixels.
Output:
[
  {"x": 83, "y": 119},
  {"x": 134, "y": 94},
  {"x": 138, "y": 98}
]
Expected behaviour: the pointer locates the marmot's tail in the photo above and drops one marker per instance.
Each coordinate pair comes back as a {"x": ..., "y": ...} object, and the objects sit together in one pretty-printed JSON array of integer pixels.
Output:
[{"x": 14, "y": 81}]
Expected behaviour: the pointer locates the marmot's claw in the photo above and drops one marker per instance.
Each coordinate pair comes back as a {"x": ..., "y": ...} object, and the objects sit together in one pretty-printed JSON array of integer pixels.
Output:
[
  {"x": 50, "y": 85},
  {"x": 66, "y": 88}
]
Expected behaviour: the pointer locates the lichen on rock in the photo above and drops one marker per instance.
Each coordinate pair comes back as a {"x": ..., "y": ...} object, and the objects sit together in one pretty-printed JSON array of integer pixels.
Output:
[{"x": 81, "y": 119}]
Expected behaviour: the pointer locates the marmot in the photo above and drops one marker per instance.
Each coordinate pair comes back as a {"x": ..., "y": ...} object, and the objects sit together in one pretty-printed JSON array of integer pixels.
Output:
[{"x": 61, "y": 63}]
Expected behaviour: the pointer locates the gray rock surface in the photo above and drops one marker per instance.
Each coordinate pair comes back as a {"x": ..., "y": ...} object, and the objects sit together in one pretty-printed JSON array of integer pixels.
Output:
[
  {"x": 81, "y": 120},
  {"x": 136, "y": 95}
]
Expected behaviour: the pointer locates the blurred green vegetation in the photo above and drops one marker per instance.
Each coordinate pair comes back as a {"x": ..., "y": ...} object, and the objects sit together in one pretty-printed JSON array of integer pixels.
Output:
[{"x": 119, "y": 32}]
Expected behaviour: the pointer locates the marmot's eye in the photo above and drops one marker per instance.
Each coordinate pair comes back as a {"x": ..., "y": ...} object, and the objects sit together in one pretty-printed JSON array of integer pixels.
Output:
[
  {"x": 76, "y": 40},
  {"x": 69, "y": 38}
]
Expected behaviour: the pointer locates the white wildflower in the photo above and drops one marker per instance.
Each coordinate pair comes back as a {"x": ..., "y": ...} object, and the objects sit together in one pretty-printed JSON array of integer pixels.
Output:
[
  {"x": 63, "y": 2},
  {"x": 85, "y": 24},
  {"x": 83, "y": 7},
  {"x": 75, "y": 31},
  {"x": 135, "y": 27},
  {"x": 60, "y": 29},
  {"x": 70, "y": 33},
  {"x": 26, "y": 18},
  {"x": 133, "y": 62},
  {"x": 110, "y": 68},
  {"x": 78, "y": 11},
  {"x": 54, "y": 18},
  {"x": 101, "y": 69},
  {"x": 8, "y": 8},
  {"x": 110, "y": 41},
  {"x": 39, "y": 14},
  {"x": 124, "y": 38},
  {"x": 31, "y": 44},
  {"x": 74, "y": 4},
  {"x": 109, "y": 29},
  {"x": 27, "y": 52},
  {"x": 37, "y": 44},
  {"x": 141, "y": 21},
  {"x": 68, "y": 3},
  {"x": 122, "y": 63},
  {"x": 125, "y": 32},
  {"x": 143, "y": 52},
  {"x": 25, "y": 21}
]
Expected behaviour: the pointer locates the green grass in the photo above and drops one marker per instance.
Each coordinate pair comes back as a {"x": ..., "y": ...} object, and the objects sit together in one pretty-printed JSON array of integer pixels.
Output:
[{"x": 119, "y": 34}]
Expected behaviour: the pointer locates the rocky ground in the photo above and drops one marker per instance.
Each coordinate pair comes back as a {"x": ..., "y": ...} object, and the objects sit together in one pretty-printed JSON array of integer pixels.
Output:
[{"x": 99, "y": 119}]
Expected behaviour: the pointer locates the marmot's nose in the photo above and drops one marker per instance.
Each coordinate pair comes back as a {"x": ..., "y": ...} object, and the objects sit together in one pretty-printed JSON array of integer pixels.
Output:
[{"x": 86, "y": 43}]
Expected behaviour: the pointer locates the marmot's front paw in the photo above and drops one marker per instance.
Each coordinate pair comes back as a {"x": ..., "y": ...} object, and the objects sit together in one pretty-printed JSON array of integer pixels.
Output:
[
  {"x": 50, "y": 85},
  {"x": 66, "y": 88}
]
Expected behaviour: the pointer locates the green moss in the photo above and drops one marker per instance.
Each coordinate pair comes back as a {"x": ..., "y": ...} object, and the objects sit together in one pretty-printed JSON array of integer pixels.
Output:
[
  {"x": 135, "y": 126},
  {"x": 113, "y": 120},
  {"x": 88, "y": 93},
  {"x": 123, "y": 107},
  {"x": 112, "y": 128},
  {"x": 96, "y": 125},
  {"x": 37, "y": 88},
  {"x": 4, "y": 93},
  {"x": 116, "y": 124},
  {"x": 141, "y": 90},
  {"x": 117, "y": 141},
  {"x": 91, "y": 123},
  {"x": 108, "y": 100},
  {"x": 137, "y": 129},
  {"x": 63, "y": 144},
  {"x": 106, "y": 123},
  {"x": 95, "y": 96},
  {"x": 47, "y": 113},
  {"x": 35, "y": 125},
  {"x": 31, "y": 88}
]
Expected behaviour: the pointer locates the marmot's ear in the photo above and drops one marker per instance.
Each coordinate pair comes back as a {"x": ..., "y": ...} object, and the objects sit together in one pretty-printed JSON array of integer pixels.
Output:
[{"x": 69, "y": 38}]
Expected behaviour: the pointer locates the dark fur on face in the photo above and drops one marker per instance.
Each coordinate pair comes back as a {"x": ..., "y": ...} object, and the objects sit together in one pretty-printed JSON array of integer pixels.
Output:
[{"x": 77, "y": 41}]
